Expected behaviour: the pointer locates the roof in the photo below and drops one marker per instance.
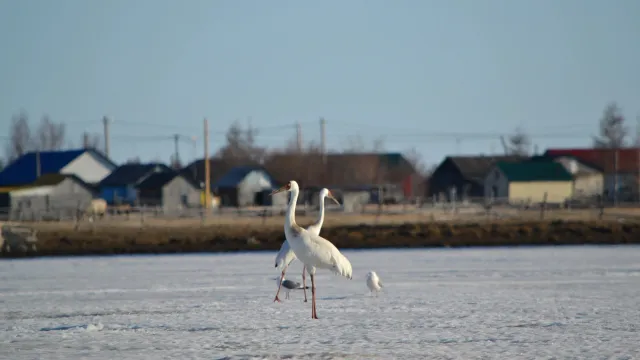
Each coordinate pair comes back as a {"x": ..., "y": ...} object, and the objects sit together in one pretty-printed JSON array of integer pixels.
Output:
[
  {"x": 477, "y": 167},
  {"x": 133, "y": 174},
  {"x": 603, "y": 159},
  {"x": 157, "y": 180},
  {"x": 23, "y": 170},
  {"x": 234, "y": 176},
  {"x": 194, "y": 172},
  {"x": 342, "y": 169},
  {"x": 534, "y": 171}
]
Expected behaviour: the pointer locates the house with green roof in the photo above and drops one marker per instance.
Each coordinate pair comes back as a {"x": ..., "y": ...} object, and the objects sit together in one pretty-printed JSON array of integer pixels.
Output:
[{"x": 529, "y": 181}]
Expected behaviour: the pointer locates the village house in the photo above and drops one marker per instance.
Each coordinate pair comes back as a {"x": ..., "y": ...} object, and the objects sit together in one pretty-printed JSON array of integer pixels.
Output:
[
  {"x": 463, "y": 177},
  {"x": 620, "y": 169},
  {"x": 528, "y": 182}
]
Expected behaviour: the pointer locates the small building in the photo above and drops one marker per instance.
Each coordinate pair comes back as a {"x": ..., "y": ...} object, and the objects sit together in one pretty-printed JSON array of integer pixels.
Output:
[
  {"x": 170, "y": 190},
  {"x": 121, "y": 186},
  {"x": 464, "y": 176},
  {"x": 90, "y": 165},
  {"x": 620, "y": 169},
  {"x": 528, "y": 182},
  {"x": 588, "y": 181},
  {"x": 52, "y": 196},
  {"x": 248, "y": 186}
]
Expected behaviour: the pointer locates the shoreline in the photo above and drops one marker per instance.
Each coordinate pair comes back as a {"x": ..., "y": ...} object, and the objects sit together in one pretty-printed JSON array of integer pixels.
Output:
[{"x": 114, "y": 240}]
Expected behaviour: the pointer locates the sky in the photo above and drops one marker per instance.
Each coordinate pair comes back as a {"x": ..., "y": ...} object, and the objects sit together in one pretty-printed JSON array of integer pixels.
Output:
[{"x": 441, "y": 77}]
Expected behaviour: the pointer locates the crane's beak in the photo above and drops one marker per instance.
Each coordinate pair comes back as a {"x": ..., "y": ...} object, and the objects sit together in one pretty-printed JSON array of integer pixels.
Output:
[
  {"x": 284, "y": 188},
  {"x": 330, "y": 196}
]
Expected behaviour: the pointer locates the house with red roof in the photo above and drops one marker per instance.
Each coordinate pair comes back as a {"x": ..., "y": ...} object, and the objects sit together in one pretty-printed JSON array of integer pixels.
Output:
[{"x": 620, "y": 167}]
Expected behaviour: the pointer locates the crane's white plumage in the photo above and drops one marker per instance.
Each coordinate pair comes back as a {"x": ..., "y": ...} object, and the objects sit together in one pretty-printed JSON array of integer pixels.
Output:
[
  {"x": 313, "y": 250},
  {"x": 373, "y": 282},
  {"x": 285, "y": 255}
]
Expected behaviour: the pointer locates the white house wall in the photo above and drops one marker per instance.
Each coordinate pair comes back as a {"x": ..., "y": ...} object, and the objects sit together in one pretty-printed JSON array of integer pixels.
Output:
[
  {"x": 496, "y": 178},
  {"x": 254, "y": 182},
  {"x": 173, "y": 191},
  {"x": 89, "y": 167}
]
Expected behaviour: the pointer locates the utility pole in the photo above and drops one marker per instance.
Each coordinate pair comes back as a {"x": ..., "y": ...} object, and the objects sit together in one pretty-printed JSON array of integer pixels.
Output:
[
  {"x": 299, "y": 136},
  {"x": 207, "y": 174},
  {"x": 323, "y": 144},
  {"x": 85, "y": 140},
  {"x": 38, "y": 167},
  {"x": 176, "y": 154},
  {"x": 105, "y": 122}
]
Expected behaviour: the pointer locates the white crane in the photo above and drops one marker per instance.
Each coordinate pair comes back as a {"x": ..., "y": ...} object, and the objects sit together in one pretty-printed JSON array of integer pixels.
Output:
[
  {"x": 373, "y": 282},
  {"x": 285, "y": 256},
  {"x": 313, "y": 250}
]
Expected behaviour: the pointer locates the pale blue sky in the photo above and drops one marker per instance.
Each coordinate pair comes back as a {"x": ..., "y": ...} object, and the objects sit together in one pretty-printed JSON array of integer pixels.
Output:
[{"x": 405, "y": 70}]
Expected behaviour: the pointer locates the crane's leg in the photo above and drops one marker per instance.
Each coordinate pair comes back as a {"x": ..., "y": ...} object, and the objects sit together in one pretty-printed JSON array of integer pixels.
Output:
[
  {"x": 304, "y": 283},
  {"x": 313, "y": 297},
  {"x": 279, "y": 286}
]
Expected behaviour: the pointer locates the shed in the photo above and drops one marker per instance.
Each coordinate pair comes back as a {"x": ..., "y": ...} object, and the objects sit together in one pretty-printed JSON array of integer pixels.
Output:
[
  {"x": 528, "y": 182},
  {"x": 52, "y": 196},
  {"x": 120, "y": 187},
  {"x": 91, "y": 166},
  {"x": 465, "y": 174},
  {"x": 171, "y": 190},
  {"x": 248, "y": 186}
]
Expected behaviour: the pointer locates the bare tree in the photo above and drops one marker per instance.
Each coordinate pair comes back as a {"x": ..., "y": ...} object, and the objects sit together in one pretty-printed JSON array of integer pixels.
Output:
[
  {"x": 20, "y": 141},
  {"x": 356, "y": 144},
  {"x": 519, "y": 143},
  {"x": 416, "y": 160},
  {"x": 613, "y": 131},
  {"x": 1, "y": 164},
  {"x": 240, "y": 148},
  {"x": 91, "y": 141},
  {"x": 50, "y": 135}
]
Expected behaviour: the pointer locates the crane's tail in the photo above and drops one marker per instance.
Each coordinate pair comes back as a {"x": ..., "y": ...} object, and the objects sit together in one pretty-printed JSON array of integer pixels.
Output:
[{"x": 342, "y": 266}]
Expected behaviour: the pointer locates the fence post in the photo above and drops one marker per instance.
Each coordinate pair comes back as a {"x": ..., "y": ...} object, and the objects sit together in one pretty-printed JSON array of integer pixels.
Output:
[
  {"x": 601, "y": 207},
  {"x": 543, "y": 205}
]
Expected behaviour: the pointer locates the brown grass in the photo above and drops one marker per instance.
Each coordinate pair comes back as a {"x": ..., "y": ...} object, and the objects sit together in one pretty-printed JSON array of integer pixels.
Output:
[{"x": 243, "y": 234}]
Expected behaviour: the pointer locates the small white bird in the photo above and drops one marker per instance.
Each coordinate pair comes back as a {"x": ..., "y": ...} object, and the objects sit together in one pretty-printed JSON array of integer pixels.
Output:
[
  {"x": 373, "y": 282},
  {"x": 289, "y": 285}
]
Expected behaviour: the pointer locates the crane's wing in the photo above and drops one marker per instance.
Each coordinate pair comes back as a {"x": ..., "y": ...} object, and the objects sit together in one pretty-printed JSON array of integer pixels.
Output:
[
  {"x": 285, "y": 256},
  {"x": 330, "y": 256},
  {"x": 379, "y": 283}
]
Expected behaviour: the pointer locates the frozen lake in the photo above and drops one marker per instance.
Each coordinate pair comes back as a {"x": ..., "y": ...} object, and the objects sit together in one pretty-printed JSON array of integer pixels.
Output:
[{"x": 526, "y": 303}]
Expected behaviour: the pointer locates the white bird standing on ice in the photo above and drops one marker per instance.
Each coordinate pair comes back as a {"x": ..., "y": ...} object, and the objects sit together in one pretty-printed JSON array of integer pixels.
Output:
[
  {"x": 285, "y": 256},
  {"x": 313, "y": 250},
  {"x": 373, "y": 282}
]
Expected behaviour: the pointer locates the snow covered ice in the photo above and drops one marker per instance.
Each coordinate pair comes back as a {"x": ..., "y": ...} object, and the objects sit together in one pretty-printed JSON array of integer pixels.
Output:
[{"x": 560, "y": 302}]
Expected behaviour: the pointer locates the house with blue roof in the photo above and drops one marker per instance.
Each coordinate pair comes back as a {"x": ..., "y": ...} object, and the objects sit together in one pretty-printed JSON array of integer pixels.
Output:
[
  {"x": 247, "y": 186},
  {"x": 89, "y": 165},
  {"x": 122, "y": 185}
]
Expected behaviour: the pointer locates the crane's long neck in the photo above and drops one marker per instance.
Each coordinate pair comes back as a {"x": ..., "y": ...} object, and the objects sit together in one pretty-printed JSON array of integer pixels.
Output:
[
  {"x": 291, "y": 210},
  {"x": 321, "y": 217}
]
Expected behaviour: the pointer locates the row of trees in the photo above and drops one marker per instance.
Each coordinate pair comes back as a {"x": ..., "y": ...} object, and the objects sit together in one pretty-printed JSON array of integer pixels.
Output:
[
  {"x": 241, "y": 147},
  {"x": 47, "y": 136},
  {"x": 613, "y": 133}
]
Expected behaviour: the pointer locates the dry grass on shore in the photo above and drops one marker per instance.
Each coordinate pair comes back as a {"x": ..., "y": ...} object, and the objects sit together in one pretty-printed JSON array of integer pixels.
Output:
[{"x": 135, "y": 221}]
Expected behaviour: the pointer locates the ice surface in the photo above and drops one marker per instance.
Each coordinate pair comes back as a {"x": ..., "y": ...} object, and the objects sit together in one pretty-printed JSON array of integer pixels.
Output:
[{"x": 525, "y": 303}]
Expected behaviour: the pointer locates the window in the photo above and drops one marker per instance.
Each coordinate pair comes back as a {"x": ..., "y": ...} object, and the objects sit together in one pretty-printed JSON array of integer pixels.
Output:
[{"x": 497, "y": 175}]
